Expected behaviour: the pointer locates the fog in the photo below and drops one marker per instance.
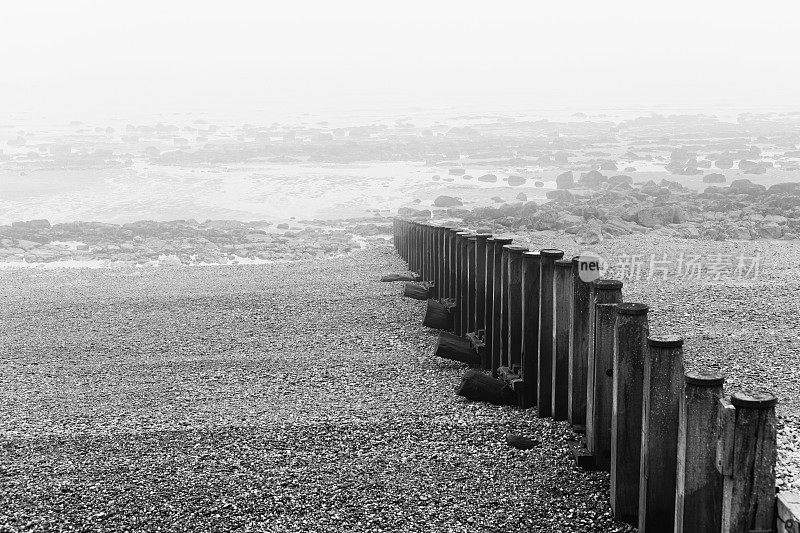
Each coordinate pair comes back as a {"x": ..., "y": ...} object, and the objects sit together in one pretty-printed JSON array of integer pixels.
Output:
[{"x": 105, "y": 58}]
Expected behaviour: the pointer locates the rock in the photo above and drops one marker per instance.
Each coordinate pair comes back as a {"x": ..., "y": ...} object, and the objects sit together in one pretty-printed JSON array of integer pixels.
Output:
[
  {"x": 714, "y": 178},
  {"x": 38, "y": 224},
  {"x": 770, "y": 230},
  {"x": 592, "y": 178},
  {"x": 745, "y": 186},
  {"x": 414, "y": 213},
  {"x": 538, "y": 183},
  {"x": 528, "y": 209},
  {"x": 654, "y": 217},
  {"x": 488, "y": 178},
  {"x": 608, "y": 165},
  {"x": 498, "y": 200},
  {"x": 516, "y": 180},
  {"x": 457, "y": 171},
  {"x": 619, "y": 179},
  {"x": 565, "y": 180},
  {"x": 436, "y": 177},
  {"x": 785, "y": 188},
  {"x": 447, "y": 201},
  {"x": 282, "y": 225},
  {"x": 522, "y": 197},
  {"x": 589, "y": 234},
  {"x": 560, "y": 195},
  {"x": 724, "y": 163},
  {"x": 466, "y": 177}
]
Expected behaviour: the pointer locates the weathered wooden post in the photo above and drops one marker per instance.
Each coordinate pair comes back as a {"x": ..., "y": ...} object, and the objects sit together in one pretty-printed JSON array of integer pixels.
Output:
[
  {"x": 463, "y": 288},
  {"x": 480, "y": 281},
  {"x": 469, "y": 316},
  {"x": 578, "y": 349},
  {"x": 663, "y": 385},
  {"x": 626, "y": 417},
  {"x": 605, "y": 327},
  {"x": 488, "y": 309},
  {"x": 698, "y": 493},
  {"x": 513, "y": 294},
  {"x": 504, "y": 281},
  {"x": 544, "y": 400},
  {"x": 603, "y": 291},
  {"x": 497, "y": 301},
  {"x": 562, "y": 306},
  {"x": 531, "y": 265},
  {"x": 437, "y": 239},
  {"x": 452, "y": 263},
  {"x": 748, "y": 463}
]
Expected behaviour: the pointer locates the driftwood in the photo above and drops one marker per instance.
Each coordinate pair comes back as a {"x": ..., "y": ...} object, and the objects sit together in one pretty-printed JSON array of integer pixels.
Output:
[
  {"x": 480, "y": 387},
  {"x": 439, "y": 314},
  {"x": 400, "y": 277},
  {"x": 520, "y": 442},
  {"x": 456, "y": 348},
  {"x": 418, "y": 291}
]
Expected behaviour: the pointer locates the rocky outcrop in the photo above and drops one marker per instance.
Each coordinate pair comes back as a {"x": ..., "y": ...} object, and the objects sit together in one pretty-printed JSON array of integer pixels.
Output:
[
  {"x": 565, "y": 180},
  {"x": 447, "y": 201}
]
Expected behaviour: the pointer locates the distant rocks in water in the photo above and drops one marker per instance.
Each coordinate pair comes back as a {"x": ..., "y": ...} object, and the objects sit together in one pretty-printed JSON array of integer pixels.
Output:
[
  {"x": 522, "y": 197},
  {"x": 447, "y": 178},
  {"x": 630, "y": 169},
  {"x": 724, "y": 163},
  {"x": 457, "y": 171},
  {"x": 282, "y": 225},
  {"x": 608, "y": 165},
  {"x": 714, "y": 178},
  {"x": 436, "y": 177},
  {"x": 753, "y": 167},
  {"x": 410, "y": 212},
  {"x": 31, "y": 225},
  {"x": 745, "y": 186},
  {"x": 488, "y": 178},
  {"x": 618, "y": 180},
  {"x": 497, "y": 199},
  {"x": 565, "y": 180},
  {"x": 560, "y": 157},
  {"x": 538, "y": 183},
  {"x": 447, "y": 201},
  {"x": 466, "y": 177},
  {"x": 559, "y": 195},
  {"x": 591, "y": 179},
  {"x": 515, "y": 181}
]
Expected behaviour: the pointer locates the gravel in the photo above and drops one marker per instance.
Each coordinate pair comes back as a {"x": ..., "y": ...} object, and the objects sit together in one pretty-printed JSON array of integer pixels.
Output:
[{"x": 285, "y": 397}]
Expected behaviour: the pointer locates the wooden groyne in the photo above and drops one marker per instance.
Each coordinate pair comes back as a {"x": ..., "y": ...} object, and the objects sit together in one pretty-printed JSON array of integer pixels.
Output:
[{"x": 682, "y": 457}]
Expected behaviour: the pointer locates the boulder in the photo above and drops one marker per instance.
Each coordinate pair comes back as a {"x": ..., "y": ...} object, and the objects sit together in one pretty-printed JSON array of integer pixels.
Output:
[
  {"x": 32, "y": 225},
  {"x": 560, "y": 195},
  {"x": 619, "y": 179},
  {"x": 516, "y": 180},
  {"x": 724, "y": 163},
  {"x": 714, "y": 178},
  {"x": 770, "y": 230},
  {"x": 592, "y": 178},
  {"x": 654, "y": 217},
  {"x": 538, "y": 183},
  {"x": 565, "y": 180},
  {"x": 608, "y": 165},
  {"x": 447, "y": 201},
  {"x": 745, "y": 186},
  {"x": 784, "y": 188},
  {"x": 457, "y": 171},
  {"x": 522, "y": 197},
  {"x": 488, "y": 178}
]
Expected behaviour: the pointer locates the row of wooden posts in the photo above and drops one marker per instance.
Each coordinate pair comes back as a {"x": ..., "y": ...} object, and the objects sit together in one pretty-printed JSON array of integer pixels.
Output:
[{"x": 682, "y": 456}]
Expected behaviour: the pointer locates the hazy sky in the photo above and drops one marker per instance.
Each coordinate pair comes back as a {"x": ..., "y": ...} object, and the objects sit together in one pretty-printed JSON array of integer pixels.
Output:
[{"x": 82, "y": 56}]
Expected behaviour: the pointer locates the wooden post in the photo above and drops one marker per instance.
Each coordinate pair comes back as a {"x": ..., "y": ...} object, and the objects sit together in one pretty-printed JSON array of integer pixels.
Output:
[
  {"x": 663, "y": 385},
  {"x": 578, "y": 349},
  {"x": 480, "y": 281},
  {"x": 626, "y": 416},
  {"x": 463, "y": 280},
  {"x": 562, "y": 305},
  {"x": 530, "y": 327},
  {"x": 488, "y": 309},
  {"x": 513, "y": 295},
  {"x": 698, "y": 493},
  {"x": 544, "y": 399},
  {"x": 603, "y": 291},
  {"x": 497, "y": 301},
  {"x": 469, "y": 317},
  {"x": 748, "y": 494},
  {"x": 440, "y": 261},
  {"x": 504, "y": 281},
  {"x": 450, "y": 282},
  {"x": 603, "y": 398}
]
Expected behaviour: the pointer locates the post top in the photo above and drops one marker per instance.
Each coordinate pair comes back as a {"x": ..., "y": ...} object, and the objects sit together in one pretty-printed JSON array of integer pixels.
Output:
[
  {"x": 551, "y": 253},
  {"x": 632, "y": 308},
  {"x": 665, "y": 341},
  {"x": 607, "y": 284},
  {"x": 532, "y": 255},
  {"x": 501, "y": 241},
  {"x": 515, "y": 248},
  {"x": 564, "y": 263},
  {"x": 481, "y": 235},
  {"x": 456, "y": 229},
  {"x": 753, "y": 400},
  {"x": 704, "y": 378}
]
